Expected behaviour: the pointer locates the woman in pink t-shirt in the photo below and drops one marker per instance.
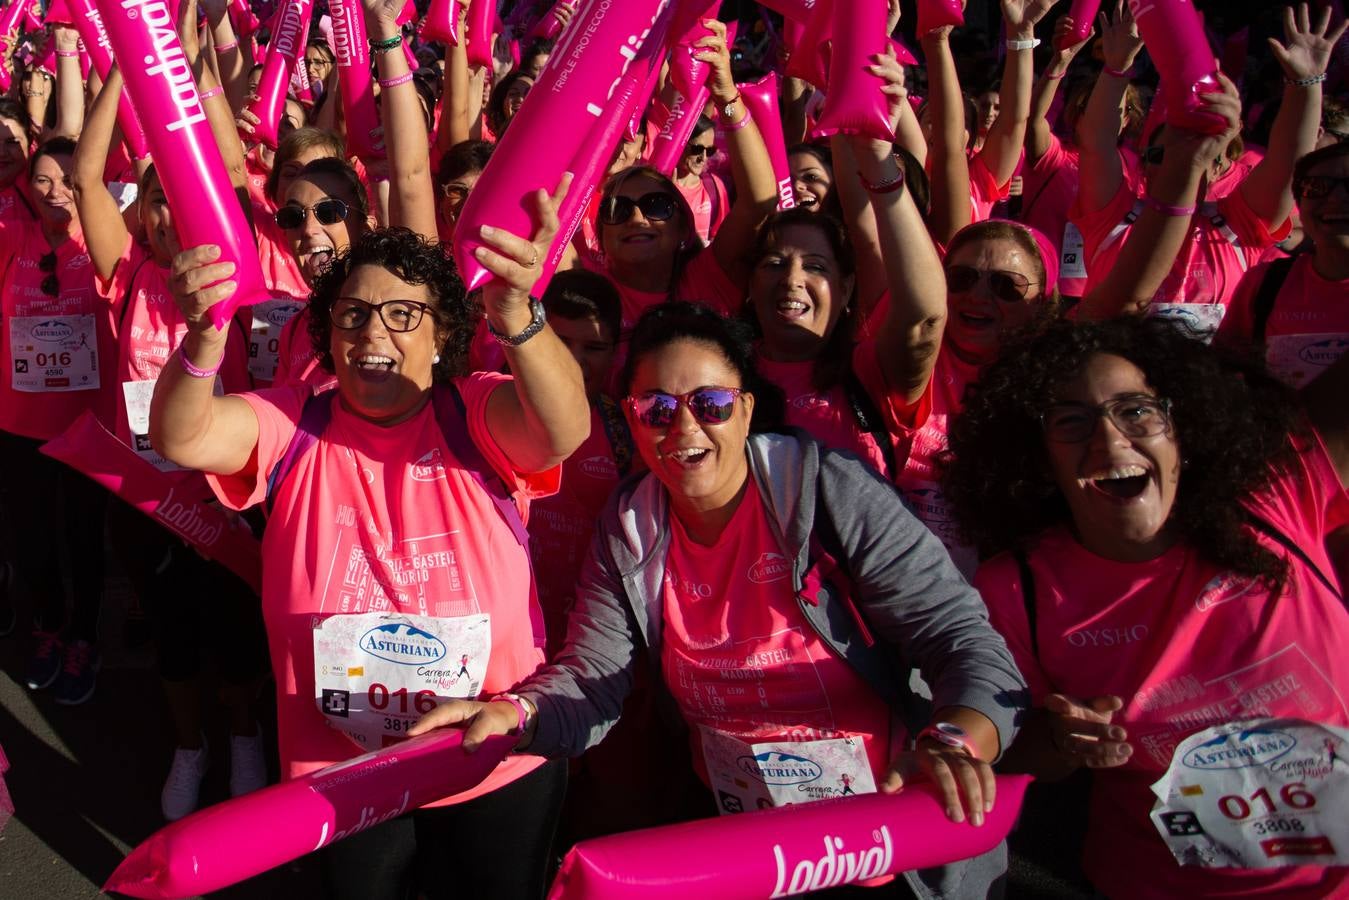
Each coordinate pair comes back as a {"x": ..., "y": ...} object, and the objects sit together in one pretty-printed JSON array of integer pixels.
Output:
[
  {"x": 1160, "y": 520},
  {"x": 413, "y": 497},
  {"x": 704, "y": 191},
  {"x": 14, "y": 206}
]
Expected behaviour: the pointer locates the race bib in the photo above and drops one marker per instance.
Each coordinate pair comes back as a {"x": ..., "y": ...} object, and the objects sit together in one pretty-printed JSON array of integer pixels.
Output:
[
  {"x": 1198, "y": 321},
  {"x": 53, "y": 353},
  {"x": 377, "y": 673},
  {"x": 765, "y": 775},
  {"x": 1072, "y": 256},
  {"x": 264, "y": 337},
  {"x": 1296, "y": 359},
  {"x": 1257, "y": 794}
]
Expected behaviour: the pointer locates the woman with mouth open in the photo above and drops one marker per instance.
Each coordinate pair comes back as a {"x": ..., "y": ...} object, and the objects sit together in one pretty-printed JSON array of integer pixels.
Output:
[
  {"x": 724, "y": 564},
  {"x": 1159, "y": 519}
]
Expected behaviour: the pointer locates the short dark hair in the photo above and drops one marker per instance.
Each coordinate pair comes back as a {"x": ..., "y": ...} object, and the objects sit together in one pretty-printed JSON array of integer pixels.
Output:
[
  {"x": 412, "y": 258},
  {"x": 581, "y": 294},
  {"x": 1303, "y": 167},
  {"x": 57, "y": 146},
  {"x": 665, "y": 323},
  {"x": 306, "y": 137},
  {"x": 496, "y": 101},
  {"x": 462, "y": 158},
  {"x": 343, "y": 171},
  {"x": 15, "y": 111}
]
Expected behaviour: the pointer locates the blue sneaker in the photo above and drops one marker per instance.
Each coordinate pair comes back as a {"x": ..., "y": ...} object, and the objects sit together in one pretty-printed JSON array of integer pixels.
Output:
[
  {"x": 79, "y": 672},
  {"x": 45, "y": 663}
]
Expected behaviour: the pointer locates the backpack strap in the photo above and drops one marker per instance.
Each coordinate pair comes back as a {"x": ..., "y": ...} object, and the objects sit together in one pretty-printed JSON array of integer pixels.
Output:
[
  {"x": 1028, "y": 599},
  {"x": 869, "y": 420},
  {"x": 1270, "y": 530},
  {"x": 452, "y": 416},
  {"x": 616, "y": 430},
  {"x": 126, "y": 296},
  {"x": 314, "y": 419},
  {"x": 1265, "y": 295}
]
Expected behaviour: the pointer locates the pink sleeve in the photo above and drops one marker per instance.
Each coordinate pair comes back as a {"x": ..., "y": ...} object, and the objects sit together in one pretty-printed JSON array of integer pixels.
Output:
[
  {"x": 112, "y": 289},
  {"x": 998, "y": 581},
  {"x": 1096, "y": 225},
  {"x": 1250, "y": 228},
  {"x": 278, "y": 412},
  {"x": 1051, "y": 161},
  {"x": 476, "y": 389},
  {"x": 1304, "y": 499},
  {"x": 703, "y": 281},
  {"x": 901, "y": 418},
  {"x": 1238, "y": 322},
  {"x": 982, "y": 183}
]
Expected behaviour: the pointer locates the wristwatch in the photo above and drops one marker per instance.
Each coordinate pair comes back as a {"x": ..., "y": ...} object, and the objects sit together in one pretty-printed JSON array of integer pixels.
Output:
[
  {"x": 951, "y": 735},
  {"x": 538, "y": 318}
]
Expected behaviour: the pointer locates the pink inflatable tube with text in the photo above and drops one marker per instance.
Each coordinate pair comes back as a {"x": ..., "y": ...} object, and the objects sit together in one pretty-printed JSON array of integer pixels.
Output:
[
  {"x": 1174, "y": 36},
  {"x": 93, "y": 451},
  {"x": 761, "y": 98},
  {"x": 365, "y": 135},
  {"x": 786, "y": 851},
  {"x": 855, "y": 103},
  {"x": 226, "y": 843},
  {"x": 89, "y": 24},
  {"x": 555, "y": 122},
  {"x": 933, "y": 14},
  {"x": 441, "y": 22},
  {"x": 288, "y": 42},
  {"x": 1083, "y": 14},
  {"x": 668, "y": 145},
  {"x": 159, "y": 80}
]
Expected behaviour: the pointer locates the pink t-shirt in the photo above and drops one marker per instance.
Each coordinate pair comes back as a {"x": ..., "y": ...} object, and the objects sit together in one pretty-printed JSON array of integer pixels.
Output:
[
  {"x": 296, "y": 361},
  {"x": 14, "y": 206},
  {"x": 1308, "y": 328},
  {"x": 708, "y": 201},
  {"x": 731, "y": 620},
  {"x": 280, "y": 271},
  {"x": 56, "y": 351},
  {"x": 1187, "y": 645},
  {"x": 1226, "y": 239},
  {"x": 985, "y": 192},
  {"x": 361, "y": 512}
]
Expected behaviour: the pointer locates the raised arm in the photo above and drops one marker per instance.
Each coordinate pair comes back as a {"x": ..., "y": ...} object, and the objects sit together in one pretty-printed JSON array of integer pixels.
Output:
[
  {"x": 231, "y": 62},
  {"x": 1268, "y": 189},
  {"x": 1046, "y": 86},
  {"x": 213, "y": 103},
  {"x": 455, "y": 121},
  {"x": 69, "y": 83},
  {"x": 756, "y": 191},
  {"x": 412, "y": 201},
  {"x": 1002, "y": 147},
  {"x": 1161, "y": 230},
  {"x": 1098, "y": 136},
  {"x": 949, "y": 167},
  {"x": 105, "y": 233}
]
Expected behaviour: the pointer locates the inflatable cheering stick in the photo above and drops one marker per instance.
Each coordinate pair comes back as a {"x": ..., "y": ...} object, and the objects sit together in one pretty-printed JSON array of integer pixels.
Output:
[
  {"x": 550, "y": 26},
  {"x": 365, "y": 134},
  {"x": 441, "y": 22},
  {"x": 761, "y": 99},
  {"x": 1083, "y": 14},
  {"x": 1175, "y": 39},
  {"x": 934, "y": 14},
  {"x": 856, "y": 103},
  {"x": 287, "y": 45}
]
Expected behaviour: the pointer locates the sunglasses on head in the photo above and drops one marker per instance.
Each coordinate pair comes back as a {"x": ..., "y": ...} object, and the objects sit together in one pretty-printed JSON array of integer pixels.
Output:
[
  {"x": 328, "y": 211},
  {"x": 1314, "y": 187},
  {"x": 656, "y": 206},
  {"x": 699, "y": 150},
  {"x": 709, "y": 405},
  {"x": 1009, "y": 287}
]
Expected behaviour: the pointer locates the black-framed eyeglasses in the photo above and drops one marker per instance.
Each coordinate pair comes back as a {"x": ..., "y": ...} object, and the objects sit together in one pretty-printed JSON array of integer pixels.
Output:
[
  {"x": 1314, "y": 187},
  {"x": 701, "y": 151},
  {"x": 1009, "y": 287},
  {"x": 1135, "y": 416},
  {"x": 656, "y": 206},
  {"x": 47, "y": 263},
  {"x": 709, "y": 405},
  {"x": 328, "y": 211},
  {"x": 351, "y": 313},
  {"x": 1153, "y": 156}
]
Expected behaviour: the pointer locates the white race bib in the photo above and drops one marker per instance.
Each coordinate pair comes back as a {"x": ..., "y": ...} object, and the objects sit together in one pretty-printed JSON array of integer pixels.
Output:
[
  {"x": 377, "y": 673},
  {"x": 137, "y": 395},
  {"x": 53, "y": 353},
  {"x": 1199, "y": 321},
  {"x": 264, "y": 338},
  {"x": 1257, "y": 794},
  {"x": 1296, "y": 359},
  {"x": 1073, "y": 254},
  {"x": 761, "y": 776}
]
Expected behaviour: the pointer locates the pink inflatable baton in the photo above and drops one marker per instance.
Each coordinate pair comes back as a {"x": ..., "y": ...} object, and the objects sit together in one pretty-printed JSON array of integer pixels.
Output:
[
  {"x": 669, "y": 144},
  {"x": 761, "y": 98},
  {"x": 934, "y": 14},
  {"x": 242, "y": 17},
  {"x": 903, "y": 55},
  {"x": 365, "y": 135},
  {"x": 409, "y": 13},
  {"x": 58, "y": 13},
  {"x": 688, "y": 73},
  {"x": 1175, "y": 39},
  {"x": 806, "y": 45},
  {"x": 95, "y": 452},
  {"x": 441, "y": 22},
  {"x": 786, "y": 851},
  {"x": 856, "y": 104},
  {"x": 792, "y": 10},
  {"x": 478, "y": 24},
  {"x": 1083, "y": 14},
  {"x": 231, "y": 841},
  {"x": 556, "y": 119},
  {"x": 89, "y": 23},
  {"x": 299, "y": 82},
  {"x": 159, "y": 81},
  {"x": 550, "y": 26},
  {"x": 287, "y": 45}
]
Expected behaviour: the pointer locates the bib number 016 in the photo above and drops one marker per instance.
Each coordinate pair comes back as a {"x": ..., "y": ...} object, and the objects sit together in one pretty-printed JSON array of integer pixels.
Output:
[
  {"x": 1293, "y": 795},
  {"x": 380, "y": 697}
]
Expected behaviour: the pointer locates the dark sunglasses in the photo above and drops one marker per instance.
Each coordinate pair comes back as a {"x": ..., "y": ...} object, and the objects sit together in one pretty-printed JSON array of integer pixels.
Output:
[
  {"x": 709, "y": 405},
  {"x": 656, "y": 206},
  {"x": 699, "y": 150},
  {"x": 1009, "y": 287},
  {"x": 328, "y": 211},
  {"x": 1153, "y": 156},
  {"x": 1314, "y": 187},
  {"x": 47, "y": 263},
  {"x": 351, "y": 313}
]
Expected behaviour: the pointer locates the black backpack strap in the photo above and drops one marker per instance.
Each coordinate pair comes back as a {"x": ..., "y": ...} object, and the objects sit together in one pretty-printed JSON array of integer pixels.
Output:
[
  {"x": 1263, "y": 304},
  {"x": 869, "y": 420},
  {"x": 1269, "y": 529},
  {"x": 314, "y": 419},
  {"x": 452, "y": 416},
  {"x": 616, "y": 430},
  {"x": 1028, "y": 598}
]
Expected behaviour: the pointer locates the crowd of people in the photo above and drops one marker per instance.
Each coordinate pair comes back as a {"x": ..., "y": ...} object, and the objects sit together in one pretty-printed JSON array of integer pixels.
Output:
[{"x": 1015, "y": 444}]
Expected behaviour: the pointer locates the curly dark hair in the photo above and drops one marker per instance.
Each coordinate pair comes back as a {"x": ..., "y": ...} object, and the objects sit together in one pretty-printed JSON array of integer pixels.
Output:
[
  {"x": 1231, "y": 421},
  {"x": 679, "y": 320},
  {"x": 415, "y": 260}
]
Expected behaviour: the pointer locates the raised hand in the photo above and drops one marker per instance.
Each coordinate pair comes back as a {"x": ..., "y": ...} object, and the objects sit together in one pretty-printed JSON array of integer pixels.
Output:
[
  {"x": 713, "y": 51},
  {"x": 1021, "y": 16},
  {"x": 517, "y": 261},
  {"x": 1120, "y": 42},
  {"x": 1307, "y": 48}
]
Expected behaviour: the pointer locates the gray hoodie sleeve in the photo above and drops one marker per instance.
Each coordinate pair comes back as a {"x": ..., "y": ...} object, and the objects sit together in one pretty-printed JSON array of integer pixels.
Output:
[{"x": 916, "y": 599}]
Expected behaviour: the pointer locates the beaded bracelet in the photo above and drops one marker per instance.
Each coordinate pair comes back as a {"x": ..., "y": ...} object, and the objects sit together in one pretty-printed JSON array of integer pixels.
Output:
[
  {"x": 193, "y": 370},
  {"x": 213, "y": 92},
  {"x": 1305, "y": 82},
  {"x": 384, "y": 46},
  {"x": 221, "y": 48},
  {"x": 885, "y": 187},
  {"x": 1167, "y": 210},
  {"x": 396, "y": 80}
]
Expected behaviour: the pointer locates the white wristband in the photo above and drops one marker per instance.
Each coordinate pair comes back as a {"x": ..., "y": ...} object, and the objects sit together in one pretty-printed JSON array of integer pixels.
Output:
[{"x": 1023, "y": 45}]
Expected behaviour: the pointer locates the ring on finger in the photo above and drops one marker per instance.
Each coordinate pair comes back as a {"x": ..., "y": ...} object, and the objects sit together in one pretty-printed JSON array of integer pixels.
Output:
[{"x": 535, "y": 261}]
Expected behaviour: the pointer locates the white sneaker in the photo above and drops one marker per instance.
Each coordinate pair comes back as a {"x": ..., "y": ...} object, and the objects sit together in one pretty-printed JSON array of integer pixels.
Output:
[
  {"x": 183, "y": 785},
  {"x": 248, "y": 765}
]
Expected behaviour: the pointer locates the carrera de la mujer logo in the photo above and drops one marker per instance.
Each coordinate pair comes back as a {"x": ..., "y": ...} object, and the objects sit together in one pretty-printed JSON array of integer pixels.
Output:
[{"x": 401, "y": 643}]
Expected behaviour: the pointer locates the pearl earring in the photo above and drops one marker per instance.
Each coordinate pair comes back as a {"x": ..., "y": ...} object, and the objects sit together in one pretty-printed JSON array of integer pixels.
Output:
[{"x": 435, "y": 360}]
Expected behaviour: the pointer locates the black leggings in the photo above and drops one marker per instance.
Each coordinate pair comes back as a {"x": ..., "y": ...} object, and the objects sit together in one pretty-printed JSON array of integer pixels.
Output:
[{"x": 495, "y": 846}]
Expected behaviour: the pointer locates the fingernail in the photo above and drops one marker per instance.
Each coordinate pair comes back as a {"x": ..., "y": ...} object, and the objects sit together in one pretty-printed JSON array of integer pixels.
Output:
[
  {"x": 480, "y": 252},
  {"x": 976, "y": 818},
  {"x": 487, "y": 231},
  {"x": 954, "y": 814}
]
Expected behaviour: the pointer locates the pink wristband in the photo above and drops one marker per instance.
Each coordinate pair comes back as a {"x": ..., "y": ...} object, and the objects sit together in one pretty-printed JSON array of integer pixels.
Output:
[
  {"x": 221, "y": 48},
  {"x": 1166, "y": 210},
  {"x": 1116, "y": 73},
  {"x": 739, "y": 124},
  {"x": 67, "y": 54},
  {"x": 213, "y": 92},
  {"x": 395, "y": 81},
  {"x": 193, "y": 370}
]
